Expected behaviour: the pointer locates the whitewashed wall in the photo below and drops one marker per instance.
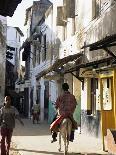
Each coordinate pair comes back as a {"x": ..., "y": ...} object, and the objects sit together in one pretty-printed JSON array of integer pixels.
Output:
[{"x": 14, "y": 41}]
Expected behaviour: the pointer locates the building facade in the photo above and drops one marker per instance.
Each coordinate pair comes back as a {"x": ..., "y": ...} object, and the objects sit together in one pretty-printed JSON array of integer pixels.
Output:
[
  {"x": 3, "y": 28},
  {"x": 14, "y": 35},
  {"x": 96, "y": 33}
]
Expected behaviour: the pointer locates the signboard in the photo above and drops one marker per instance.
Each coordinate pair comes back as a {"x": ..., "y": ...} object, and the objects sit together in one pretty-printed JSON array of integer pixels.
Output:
[
  {"x": 52, "y": 77},
  {"x": 27, "y": 83},
  {"x": 16, "y": 86},
  {"x": 17, "y": 90},
  {"x": 107, "y": 97},
  {"x": 22, "y": 87},
  {"x": 88, "y": 73}
]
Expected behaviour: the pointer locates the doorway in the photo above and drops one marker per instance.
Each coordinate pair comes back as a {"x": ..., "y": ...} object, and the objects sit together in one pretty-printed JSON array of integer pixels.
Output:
[
  {"x": 107, "y": 105},
  {"x": 46, "y": 99}
]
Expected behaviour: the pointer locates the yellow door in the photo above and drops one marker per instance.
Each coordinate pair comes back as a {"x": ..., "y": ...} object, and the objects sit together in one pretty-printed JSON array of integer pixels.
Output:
[{"x": 107, "y": 105}]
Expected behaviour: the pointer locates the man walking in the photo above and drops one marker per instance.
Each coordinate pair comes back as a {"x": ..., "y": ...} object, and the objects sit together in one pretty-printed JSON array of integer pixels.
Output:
[
  {"x": 8, "y": 114},
  {"x": 35, "y": 112}
]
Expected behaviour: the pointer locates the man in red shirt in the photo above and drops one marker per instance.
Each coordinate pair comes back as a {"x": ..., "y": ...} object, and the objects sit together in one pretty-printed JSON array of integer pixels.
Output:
[{"x": 65, "y": 104}]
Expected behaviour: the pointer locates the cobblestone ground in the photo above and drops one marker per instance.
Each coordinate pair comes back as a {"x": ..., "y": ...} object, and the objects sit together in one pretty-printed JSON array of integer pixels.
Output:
[{"x": 34, "y": 139}]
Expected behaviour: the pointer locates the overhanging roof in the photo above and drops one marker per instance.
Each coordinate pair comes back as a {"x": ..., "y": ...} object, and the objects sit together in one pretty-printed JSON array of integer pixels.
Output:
[
  {"x": 59, "y": 63},
  {"x": 108, "y": 41},
  {"x": 7, "y": 7},
  {"x": 88, "y": 64}
]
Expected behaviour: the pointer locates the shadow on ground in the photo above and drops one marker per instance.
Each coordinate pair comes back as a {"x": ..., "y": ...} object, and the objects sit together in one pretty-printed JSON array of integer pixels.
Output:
[
  {"x": 30, "y": 129},
  {"x": 36, "y": 151},
  {"x": 55, "y": 153}
]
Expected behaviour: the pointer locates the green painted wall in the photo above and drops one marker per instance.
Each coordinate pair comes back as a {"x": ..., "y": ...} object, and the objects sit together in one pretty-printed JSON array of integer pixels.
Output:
[
  {"x": 51, "y": 112},
  {"x": 77, "y": 113}
]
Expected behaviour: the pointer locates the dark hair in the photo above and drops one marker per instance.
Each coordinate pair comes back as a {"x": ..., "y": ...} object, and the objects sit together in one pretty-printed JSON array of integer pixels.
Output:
[{"x": 65, "y": 86}]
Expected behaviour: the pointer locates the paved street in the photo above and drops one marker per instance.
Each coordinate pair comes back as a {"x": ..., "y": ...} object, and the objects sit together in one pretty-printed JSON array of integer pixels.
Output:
[{"x": 35, "y": 139}]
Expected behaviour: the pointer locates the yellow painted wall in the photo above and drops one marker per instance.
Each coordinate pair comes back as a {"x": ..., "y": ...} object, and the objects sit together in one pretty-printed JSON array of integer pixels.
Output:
[{"x": 76, "y": 88}]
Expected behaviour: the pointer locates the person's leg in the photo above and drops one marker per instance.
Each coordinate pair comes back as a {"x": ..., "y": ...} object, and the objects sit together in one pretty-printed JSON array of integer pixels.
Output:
[
  {"x": 8, "y": 140},
  {"x": 54, "y": 136},
  {"x": 74, "y": 126},
  {"x": 3, "y": 136},
  {"x": 37, "y": 117},
  {"x": 72, "y": 136},
  {"x": 74, "y": 123},
  {"x": 33, "y": 118}
]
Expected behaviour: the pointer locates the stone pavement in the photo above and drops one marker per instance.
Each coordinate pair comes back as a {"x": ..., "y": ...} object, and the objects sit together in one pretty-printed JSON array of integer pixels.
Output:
[{"x": 35, "y": 139}]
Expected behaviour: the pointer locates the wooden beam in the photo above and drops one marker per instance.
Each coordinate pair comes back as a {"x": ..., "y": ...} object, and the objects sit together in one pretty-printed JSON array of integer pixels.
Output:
[
  {"x": 105, "y": 41},
  {"x": 92, "y": 48},
  {"x": 79, "y": 78},
  {"x": 110, "y": 52},
  {"x": 88, "y": 64}
]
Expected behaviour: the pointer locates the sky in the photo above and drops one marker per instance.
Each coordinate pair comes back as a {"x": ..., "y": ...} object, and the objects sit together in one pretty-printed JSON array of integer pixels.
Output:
[{"x": 18, "y": 19}]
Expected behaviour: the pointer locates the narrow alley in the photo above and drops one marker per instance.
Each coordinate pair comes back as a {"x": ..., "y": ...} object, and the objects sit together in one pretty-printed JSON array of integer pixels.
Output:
[
  {"x": 35, "y": 139},
  {"x": 58, "y": 57}
]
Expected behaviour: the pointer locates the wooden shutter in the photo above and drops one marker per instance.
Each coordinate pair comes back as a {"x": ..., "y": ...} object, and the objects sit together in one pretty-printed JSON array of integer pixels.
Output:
[
  {"x": 69, "y": 8},
  {"x": 60, "y": 19}
]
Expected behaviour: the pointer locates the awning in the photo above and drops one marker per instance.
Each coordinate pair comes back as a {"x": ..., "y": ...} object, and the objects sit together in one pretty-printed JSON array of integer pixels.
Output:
[
  {"x": 59, "y": 63},
  {"x": 88, "y": 64},
  {"x": 52, "y": 77},
  {"x": 108, "y": 41},
  {"x": 7, "y": 7}
]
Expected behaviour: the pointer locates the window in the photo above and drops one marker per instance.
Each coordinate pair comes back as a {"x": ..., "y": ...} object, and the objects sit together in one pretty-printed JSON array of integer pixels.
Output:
[
  {"x": 16, "y": 34},
  {"x": 44, "y": 48},
  {"x": 38, "y": 91},
  {"x": 34, "y": 56},
  {"x": 96, "y": 8},
  {"x": 69, "y": 8},
  {"x": 93, "y": 88},
  {"x": 60, "y": 18},
  {"x": 19, "y": 39},
  {"x": 38, "y": 55}
]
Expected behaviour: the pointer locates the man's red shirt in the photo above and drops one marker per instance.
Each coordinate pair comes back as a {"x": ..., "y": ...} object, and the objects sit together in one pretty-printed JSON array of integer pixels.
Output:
[{"x": 66, "y": 104}]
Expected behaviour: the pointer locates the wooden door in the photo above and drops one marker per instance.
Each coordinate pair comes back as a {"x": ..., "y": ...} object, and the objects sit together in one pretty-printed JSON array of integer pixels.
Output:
[{"x": 107, "y": 105}]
